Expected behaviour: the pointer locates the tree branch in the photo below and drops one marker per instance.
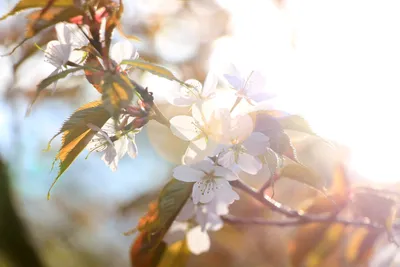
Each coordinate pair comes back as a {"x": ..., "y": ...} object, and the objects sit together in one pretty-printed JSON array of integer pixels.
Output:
[
  {"x": 267, "y": 201},
  {"x": 328, "y": 219}
]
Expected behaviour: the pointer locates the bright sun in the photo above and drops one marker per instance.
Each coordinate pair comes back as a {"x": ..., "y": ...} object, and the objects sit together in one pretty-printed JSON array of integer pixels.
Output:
[{"x": 336, "y": 62}]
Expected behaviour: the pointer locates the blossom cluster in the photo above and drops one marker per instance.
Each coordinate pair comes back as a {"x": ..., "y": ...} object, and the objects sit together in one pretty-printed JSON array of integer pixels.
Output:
[{"x": 222, "y": 142}]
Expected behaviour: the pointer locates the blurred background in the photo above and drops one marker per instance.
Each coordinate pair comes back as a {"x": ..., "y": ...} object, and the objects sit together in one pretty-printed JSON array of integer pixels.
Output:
[{"x": 335, "y": 62}]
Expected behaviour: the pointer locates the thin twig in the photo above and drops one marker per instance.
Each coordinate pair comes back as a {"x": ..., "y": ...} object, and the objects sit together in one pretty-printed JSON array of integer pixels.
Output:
[
  {"x": 267, "y": 201},
  {"x": 306, "y": 220}
]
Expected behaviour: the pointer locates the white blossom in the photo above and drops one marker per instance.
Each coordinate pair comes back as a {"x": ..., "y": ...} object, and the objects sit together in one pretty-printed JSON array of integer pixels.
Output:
[
  {"x": 209, "y": 180},
  {"x": 208, "y": 218},
  {"x": 59, "y": 52},
  {"x": 202, "y": 129},
  {"x": 123, "y": 50},
  {"x": 195, "y": 93},
  {"x": 241, "y": 146},
  {"x": 249, "y": 87},
  {"x": 114, "y": 150}
]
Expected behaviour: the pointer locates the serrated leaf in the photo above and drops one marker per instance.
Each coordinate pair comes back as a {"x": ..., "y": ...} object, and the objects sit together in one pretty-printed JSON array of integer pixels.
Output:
[
  {"x": 290, "y": 122},
  {"x": 48, "y": 81},
  {"x": 152, "y": 68},
  {"x": 279, "y": 141},
  {"x": 170, "y": 202},
  {"x": 36, "y": 26},
  {"x": 51, "y": 79},
  {"x": 303, "y": 174},
  {"x": 76, "y": 134},
  {"x": 26, "y": 4},
  {"x": 296, "y": 123},
  {"x": 117, "y": 93}
]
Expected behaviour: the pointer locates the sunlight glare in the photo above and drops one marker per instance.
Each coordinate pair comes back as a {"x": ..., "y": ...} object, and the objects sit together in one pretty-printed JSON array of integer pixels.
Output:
[{"x": 335, "y": 62}]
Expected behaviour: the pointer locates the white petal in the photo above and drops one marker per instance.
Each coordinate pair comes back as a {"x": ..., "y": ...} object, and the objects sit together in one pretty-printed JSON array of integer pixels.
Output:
[
  {"x": 235, "y": 82},
  {"x": 63, "y": 33},
  {"x": 132, "y": 148},
  {"x": 214, "y": 222},
  {"x": 210, "y": 85},
  {"x": 225, "y": 173},
  {"x": 225, "y": 197},
  {"x": 227, "y": 159},
  {"x": 198, "y": 150},
  {"x": 256, "y": 144},
  {"x": 57, "y": 53},
  {"x": 203, "y": 191},
  {"x": 234, "y": 77},
  {"x": 249, "y": 163},
  {"x": 201, "y": 216},
  {"x": 177, "y": 99},
  {"x": 185, "y": 173},
  {"x": 197, "y": 240},
  {"x": 219, "y": 125},
  {"x": 110, "y": 157},
  {"x": 255, "y": 83},
  {"x": 184, "y": 127},
  {"x": 205, "y": 166},
  {"x": 123, "y": 50},
  {"x": 187, "y": 211},
  {"x": 241, "y": 127},
  {"x": 121, "y": 146},
  {"x": 198, "y": 114},
  {"x": 109, "y": 127},
  {"x": 176, "y": 232},
  {"x": 100, "y": 133},
  {"x": 195, "y": 85}
]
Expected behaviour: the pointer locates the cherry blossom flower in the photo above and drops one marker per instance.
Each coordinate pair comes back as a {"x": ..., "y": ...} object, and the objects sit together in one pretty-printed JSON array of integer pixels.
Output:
[
  {"x": 59, "y": 52},
  {"x": 123, "y": 50},
  {"x": 202, "y": 129},
  {"x": 249, "y": 87},
  {"x": 196, "y": 93},
  {"x": 209, "y": 180},
  {"x": 208, "y": 218},
  {"x": 114, "y": 150},
  {"x": 242, "y": 146},
  {"x": 68, "y": 33}
]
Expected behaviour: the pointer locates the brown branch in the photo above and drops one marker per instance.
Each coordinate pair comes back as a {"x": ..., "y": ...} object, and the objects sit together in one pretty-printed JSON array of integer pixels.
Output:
[
  {"x": 307, "y": 220},
  {"x": 267, "y": 201}
]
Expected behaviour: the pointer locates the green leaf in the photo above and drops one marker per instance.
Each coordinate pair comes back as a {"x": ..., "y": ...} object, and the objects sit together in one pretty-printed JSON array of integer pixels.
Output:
[
  {"x": 157, "y": 221},
  {"x": 303, "y": 174},
  {"x": 26, "y": 4},
  {"x": 51, "y": 79},
  {"x": 76, "y": 134},
  {"x": 117, "y": 93},
  {"x": 48, "y": 81},
  {"x": 171, "y": 200},
  {"x": 152, "y": 68},
  {"x": 40, "y": 24},
  {"x": 296, "y": 123}
]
